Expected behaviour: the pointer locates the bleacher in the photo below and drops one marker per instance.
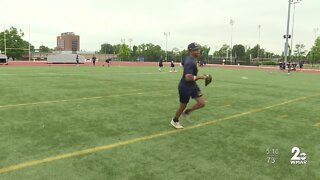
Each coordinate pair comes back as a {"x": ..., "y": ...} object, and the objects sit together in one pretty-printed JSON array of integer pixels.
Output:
[
  {"x": 3, "y": 59},
  {"x": 64, "y": 59}
]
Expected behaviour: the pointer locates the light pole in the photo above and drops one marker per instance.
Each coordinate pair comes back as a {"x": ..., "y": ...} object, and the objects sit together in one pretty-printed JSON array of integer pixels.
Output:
[
  {"x": 227, "y": 54},
  {"x": 5, "y": 41},
  {"x": 29, "y": 45},
  {"x": 286, "y": 46},
  {"x": 123, "y": 41},
  {"x": 315, "y": 30},
  {"x": 167, "y": 34},
  {"x": 259, "y": 27},
  {"x": 130, "y": 41},
  {"x": 231, "y": 23},
  {"x": 287, "y": 36},
  {"x": 294, "y": 2}
]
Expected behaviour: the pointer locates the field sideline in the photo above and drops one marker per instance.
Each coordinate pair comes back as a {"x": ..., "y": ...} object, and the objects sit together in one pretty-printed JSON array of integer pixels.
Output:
[{"x": 113, "y": 123}]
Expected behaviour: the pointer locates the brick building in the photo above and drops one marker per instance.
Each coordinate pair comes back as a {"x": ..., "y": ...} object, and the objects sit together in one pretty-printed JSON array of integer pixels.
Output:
[{"x": 68, "y": 41}]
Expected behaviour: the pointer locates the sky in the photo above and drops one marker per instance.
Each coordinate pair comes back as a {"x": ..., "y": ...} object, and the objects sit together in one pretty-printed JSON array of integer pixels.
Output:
[{"x": 206, "y": 22}]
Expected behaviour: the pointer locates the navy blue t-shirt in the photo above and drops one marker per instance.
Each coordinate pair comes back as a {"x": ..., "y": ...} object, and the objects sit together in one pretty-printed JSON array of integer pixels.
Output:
[
  {"x": 189, "y": 67},
  {"x": 161, "y": 60}
]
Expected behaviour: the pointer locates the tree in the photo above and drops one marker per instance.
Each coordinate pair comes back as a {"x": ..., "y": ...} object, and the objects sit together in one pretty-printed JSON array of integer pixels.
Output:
[
  {"x": 254, "y": 52},
  {"x": 175, "y": 53},
  {"x": 257, "y": 51},
  {"x": 14, "y": 40},
  {"x": 205, "y": 52},
  {"x": 107, "y": 49},
  {"x": 223, "y": 51},
  {"x": 248, "y": 54},
  {"x": 124, "y": 52},
  {"x": 269, "y": 54},
  {"x": 314, "y": 54},
  {"x": 239, "y": 51},
  {"x": 182, "y": 55},
  {"x": 44, "y": 49},
  {"x": 150, "y": 52},
  {"x": 134, "y": 53},
  {"x": 299, "y": 51},
  {"x": 117, "y": 48}
]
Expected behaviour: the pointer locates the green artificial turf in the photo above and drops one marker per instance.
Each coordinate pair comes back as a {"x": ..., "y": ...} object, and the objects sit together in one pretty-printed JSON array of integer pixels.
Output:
[{"x": 49, "y": 111}]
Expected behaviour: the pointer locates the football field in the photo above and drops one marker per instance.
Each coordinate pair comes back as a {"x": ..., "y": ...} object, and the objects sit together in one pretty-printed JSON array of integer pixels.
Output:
[{"x": 81, "y": 123}]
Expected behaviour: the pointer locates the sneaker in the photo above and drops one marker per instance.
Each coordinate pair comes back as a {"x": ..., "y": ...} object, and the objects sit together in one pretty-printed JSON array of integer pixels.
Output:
[{"x": 176, "y": 125}]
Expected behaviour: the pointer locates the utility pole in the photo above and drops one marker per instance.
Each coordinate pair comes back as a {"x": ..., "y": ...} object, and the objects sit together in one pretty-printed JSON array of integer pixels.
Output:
[
  {"x": 259, "y": 27},
  {"x": 5, "y": 41},
  {"x": 167, "y": 34},
  {"x": 294, "y": 2},
  {"x": 130, "y": 41},
  {"x": 287, "y": 36},
  {"x": 231, "y": 23},
  {"x": 29, "y": 46}
]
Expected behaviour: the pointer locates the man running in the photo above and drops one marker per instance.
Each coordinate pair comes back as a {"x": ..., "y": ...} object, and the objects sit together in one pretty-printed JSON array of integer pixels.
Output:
[
  {"x": 161, "y": 63},
  {"x": 188, "y": 86},
  {"x": 173, "y": 69},
  {"x": 108, "y": 61}
]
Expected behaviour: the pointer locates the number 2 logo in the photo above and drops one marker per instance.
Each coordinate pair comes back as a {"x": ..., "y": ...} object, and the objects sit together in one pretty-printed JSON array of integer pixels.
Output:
[{"x": 296, "y": 152}]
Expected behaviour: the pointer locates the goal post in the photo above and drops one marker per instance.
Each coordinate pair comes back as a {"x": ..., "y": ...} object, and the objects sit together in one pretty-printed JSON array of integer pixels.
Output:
[
  {"x": 14, "y": 48},
  {"x": 26, "y": 53}
]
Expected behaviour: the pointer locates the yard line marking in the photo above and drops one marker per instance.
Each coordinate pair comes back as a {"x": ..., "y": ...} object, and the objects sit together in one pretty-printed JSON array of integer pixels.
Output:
[
  {"x": 68, "y": 100},
  {"x": 135, "y": 140}
]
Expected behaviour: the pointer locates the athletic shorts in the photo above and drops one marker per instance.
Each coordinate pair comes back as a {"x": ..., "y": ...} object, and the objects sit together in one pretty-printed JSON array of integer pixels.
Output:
[
  {"x": 160, "y": 65},
  {"x": 186, "y": 92},
  {"x": 172, "y": 65}
]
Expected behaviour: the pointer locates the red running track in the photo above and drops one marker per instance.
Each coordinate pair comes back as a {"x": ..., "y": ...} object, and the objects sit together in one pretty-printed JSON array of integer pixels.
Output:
[{"x": 124, "y": 63}]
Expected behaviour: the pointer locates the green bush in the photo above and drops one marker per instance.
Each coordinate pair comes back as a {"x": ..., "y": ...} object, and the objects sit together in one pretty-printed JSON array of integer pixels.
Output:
[
  {"x": 256, "y": 63},
  {"x": 270, "y": 63}
]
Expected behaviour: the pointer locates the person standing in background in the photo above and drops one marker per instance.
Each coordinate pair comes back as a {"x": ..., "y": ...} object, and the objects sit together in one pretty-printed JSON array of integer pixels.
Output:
[{"x": 94, "y": 60}]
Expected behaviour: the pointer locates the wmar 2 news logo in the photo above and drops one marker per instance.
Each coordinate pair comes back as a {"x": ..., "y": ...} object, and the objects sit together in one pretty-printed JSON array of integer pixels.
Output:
[{"x": 298, "y": 157}]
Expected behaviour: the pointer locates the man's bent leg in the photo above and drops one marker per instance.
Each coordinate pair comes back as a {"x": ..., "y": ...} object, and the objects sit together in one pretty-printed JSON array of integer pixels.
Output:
[{"x": 200, "y": 104}]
